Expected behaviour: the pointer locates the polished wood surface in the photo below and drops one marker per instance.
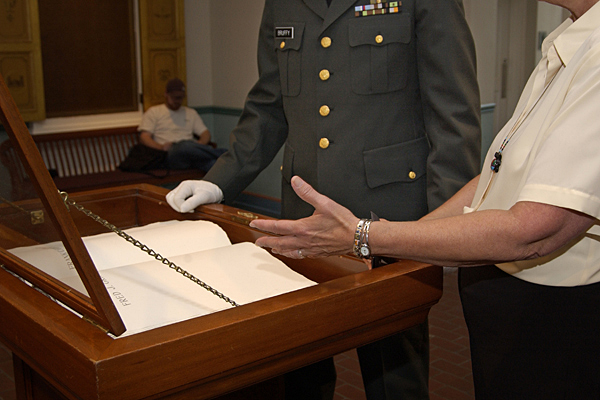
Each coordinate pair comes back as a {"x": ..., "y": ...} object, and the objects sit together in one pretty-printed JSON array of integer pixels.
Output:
[{"x": 215, "y": 354}]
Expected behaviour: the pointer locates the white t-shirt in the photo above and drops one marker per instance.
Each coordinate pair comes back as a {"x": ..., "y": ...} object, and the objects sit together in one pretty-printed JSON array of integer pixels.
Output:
[
  {"x": 167, "y": 125},
  {"x": 554, "y": 155}
]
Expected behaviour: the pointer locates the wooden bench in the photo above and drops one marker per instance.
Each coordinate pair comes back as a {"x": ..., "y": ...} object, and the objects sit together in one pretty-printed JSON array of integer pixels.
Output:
[{"x": 86, "y": 160}]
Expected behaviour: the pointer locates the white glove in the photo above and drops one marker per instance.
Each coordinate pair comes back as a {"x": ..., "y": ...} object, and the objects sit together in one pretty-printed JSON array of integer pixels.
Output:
[{"x": 190, "y": 194}]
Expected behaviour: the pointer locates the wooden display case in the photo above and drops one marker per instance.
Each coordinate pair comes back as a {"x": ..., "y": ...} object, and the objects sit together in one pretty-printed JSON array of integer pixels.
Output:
[{"x": 59, "y": 354}]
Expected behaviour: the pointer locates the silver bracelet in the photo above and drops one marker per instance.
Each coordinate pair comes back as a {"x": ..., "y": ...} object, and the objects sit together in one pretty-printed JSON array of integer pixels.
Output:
[{"x": 361, "y": 239}]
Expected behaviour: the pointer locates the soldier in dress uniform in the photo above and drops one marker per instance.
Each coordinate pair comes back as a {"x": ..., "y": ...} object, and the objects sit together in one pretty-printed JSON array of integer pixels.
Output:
[{"x": 377, "y": 106}]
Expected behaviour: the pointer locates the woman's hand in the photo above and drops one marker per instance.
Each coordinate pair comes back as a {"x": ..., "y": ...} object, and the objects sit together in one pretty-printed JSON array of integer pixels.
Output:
[{"x": 329, "y": 231}]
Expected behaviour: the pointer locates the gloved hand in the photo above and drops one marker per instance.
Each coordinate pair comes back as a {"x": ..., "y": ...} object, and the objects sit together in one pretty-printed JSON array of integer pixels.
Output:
[{"x": 190, "y": 194}]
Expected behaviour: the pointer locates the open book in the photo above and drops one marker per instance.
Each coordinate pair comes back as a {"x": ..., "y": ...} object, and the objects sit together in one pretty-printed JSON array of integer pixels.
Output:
[{"x": 149, "y": 294}]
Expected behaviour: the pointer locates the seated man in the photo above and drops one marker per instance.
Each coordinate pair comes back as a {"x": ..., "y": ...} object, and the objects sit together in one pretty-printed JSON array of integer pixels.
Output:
[{"x": 173, "y": 127}]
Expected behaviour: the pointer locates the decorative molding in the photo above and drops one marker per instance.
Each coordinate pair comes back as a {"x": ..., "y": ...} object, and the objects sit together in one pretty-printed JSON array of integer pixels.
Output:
[
  {"x": 488, "y": 107},
  {"x": 106, "y": 121},
  {"x": 16, "y": 68},
  {"x": 163, "y": 20},
  {"x": 14, "y": 21},
  {"x": 219, "y": 110},
  {"x": 163, "y": 66},
  {"x": 87, "y": 122}
]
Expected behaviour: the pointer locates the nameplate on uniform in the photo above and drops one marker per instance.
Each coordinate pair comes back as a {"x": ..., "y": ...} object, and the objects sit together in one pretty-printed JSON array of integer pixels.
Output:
[{"x": 284, "y": 32}]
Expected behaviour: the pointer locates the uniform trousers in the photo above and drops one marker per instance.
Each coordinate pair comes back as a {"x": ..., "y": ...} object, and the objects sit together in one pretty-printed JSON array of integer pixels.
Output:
[
  {"x": 396, "y": 367},
  {"x": 531, "y": 341}
]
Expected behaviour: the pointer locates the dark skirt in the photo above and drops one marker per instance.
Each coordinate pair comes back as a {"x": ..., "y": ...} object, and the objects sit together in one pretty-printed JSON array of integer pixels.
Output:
[{"x": 531, "y": 341}]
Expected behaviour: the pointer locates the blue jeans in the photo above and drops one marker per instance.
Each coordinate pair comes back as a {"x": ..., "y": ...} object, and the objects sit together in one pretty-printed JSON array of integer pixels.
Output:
[{"x": 189, "y": 154}]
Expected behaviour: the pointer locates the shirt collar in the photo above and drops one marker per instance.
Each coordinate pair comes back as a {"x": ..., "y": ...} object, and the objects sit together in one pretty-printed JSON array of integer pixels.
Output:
[{"x": 569, "y": 36}]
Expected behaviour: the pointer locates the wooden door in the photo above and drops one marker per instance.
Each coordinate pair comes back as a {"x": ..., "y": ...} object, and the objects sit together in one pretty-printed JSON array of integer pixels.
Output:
[{"x": 162, "y": 45}]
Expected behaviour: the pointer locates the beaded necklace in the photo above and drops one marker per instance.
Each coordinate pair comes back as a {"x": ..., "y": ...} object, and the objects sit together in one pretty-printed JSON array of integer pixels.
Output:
[{"x": 497, "y": 161}]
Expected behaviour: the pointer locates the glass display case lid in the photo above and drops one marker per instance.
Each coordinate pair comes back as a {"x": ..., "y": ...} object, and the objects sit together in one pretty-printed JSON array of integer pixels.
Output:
[{"x": 33, "y": 211}]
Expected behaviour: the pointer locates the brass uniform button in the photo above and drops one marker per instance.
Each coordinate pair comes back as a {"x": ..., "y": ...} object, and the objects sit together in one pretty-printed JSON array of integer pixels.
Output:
[
  {"x": 326, "y": 42},
  {"x": 324, "y": 143},
  {"x": 379, "y": 39},
  {"x": 412, "y": 175},
  {"x": 324, "y": 111},
  {"x": 324, "y": 74},
  {"x": 282, "y": 45}
]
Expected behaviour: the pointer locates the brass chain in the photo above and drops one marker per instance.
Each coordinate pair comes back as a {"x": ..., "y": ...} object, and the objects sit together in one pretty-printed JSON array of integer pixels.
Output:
[{"x": 145, "y": 248}]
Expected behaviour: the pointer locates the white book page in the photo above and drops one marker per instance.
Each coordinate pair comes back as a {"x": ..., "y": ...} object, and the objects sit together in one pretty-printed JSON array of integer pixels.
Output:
[
  {"x": 108, "y": 250},
  {"x": 149, "y": 294}
]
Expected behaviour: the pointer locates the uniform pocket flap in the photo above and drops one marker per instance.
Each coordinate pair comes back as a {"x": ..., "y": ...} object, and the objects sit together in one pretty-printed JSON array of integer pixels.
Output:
[
  {"x": 288, "y": 35},
  {"x": 402, "y": 162},
  {"x": 380, "y": 30}
]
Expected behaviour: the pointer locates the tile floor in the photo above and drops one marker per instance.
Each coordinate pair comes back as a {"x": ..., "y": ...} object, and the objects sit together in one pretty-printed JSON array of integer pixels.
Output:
[{"x": 450, "y": 367}]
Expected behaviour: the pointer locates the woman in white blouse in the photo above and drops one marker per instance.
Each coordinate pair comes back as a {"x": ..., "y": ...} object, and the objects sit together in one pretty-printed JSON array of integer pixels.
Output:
[{"x": 527, "y": 228}]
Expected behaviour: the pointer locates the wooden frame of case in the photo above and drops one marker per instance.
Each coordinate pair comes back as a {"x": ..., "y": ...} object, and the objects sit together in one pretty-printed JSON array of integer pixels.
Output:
[{"x": 57, "y": 354}]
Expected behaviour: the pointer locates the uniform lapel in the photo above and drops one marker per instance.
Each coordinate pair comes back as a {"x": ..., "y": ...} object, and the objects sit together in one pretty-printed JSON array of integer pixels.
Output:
[
  {"x": 319, "y": 7},
  {"x": 336, "y": 9},
  {"x": 331, "y": 13}
]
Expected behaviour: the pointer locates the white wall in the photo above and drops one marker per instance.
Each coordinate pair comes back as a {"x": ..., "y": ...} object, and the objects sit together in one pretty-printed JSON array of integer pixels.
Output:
[
  {"x": 482, "y": 18},
  {"x": 198, "y": 49},
  {"x": 221, "y": 42}
]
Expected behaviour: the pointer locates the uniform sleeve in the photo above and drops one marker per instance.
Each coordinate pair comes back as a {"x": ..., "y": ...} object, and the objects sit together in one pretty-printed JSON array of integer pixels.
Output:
[
  {"x": 566, "y": 170},
  {"x": 262, "y": 128},
  {"x": 450, "y": 97}
]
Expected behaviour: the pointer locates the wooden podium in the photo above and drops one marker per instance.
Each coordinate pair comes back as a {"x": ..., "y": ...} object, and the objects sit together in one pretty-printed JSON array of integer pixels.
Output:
[{"x": 60, "y": 354}]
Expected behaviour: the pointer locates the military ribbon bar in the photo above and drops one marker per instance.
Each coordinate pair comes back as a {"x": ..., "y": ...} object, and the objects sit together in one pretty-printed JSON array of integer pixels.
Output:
[{"x": 378, "y": 8}]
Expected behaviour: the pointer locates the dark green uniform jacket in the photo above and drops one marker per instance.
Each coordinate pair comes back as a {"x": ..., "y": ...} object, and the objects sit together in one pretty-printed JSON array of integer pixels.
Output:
[{"x": 380, "y": 113}]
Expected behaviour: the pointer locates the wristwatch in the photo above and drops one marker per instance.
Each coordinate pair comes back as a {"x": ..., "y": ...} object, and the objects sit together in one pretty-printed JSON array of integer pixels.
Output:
[{"x": 365, "y": 251}]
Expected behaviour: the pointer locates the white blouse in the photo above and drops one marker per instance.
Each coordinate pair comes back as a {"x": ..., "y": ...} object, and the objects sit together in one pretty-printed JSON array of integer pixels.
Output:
[{"x": 553, "y": 150}]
